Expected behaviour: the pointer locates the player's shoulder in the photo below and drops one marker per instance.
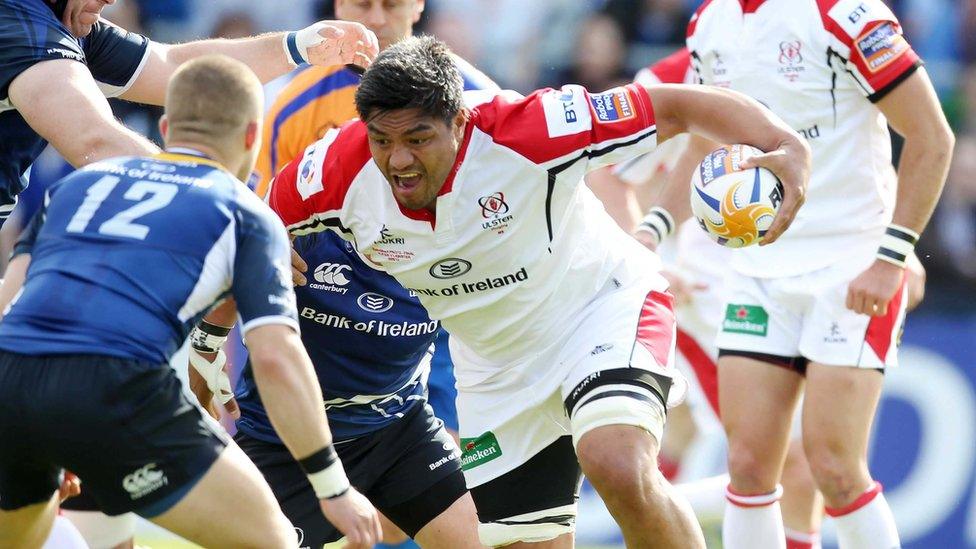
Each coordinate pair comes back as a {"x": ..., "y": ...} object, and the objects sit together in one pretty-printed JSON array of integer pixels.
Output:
[
  {"x": 331, "y": 163},
  {"x": 673, "y": 69},
  {"x": 474, "y": 79},
  {"x": 698, "y": 14},
  {"x": 849, "y": 19}
]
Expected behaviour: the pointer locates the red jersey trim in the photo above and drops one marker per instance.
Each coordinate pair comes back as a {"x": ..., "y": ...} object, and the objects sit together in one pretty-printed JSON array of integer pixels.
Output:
[
  {"x": 693, "y": 23},
  {"x": 750, "y": 6},
  {"x": 673, "y": 68},
  {"x": 705, "y": 369}
]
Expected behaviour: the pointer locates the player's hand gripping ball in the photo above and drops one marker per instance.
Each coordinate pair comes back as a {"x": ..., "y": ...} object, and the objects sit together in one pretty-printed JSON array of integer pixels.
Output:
[{"x": 734, "y": 206}]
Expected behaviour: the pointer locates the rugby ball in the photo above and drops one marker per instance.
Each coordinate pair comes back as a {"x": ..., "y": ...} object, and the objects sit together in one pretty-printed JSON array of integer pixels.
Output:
[{"x": 734, "y": 206}]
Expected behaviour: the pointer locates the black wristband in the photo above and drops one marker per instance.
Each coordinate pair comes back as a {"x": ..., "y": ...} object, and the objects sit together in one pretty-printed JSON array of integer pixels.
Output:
[
  {"x": 213, "y": 329},
  {"x": 319, "y": 460}
]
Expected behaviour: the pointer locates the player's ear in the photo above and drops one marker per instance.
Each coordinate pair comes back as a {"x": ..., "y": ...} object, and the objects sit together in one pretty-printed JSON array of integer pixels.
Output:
[
  {"x": 163, "y": 126},
  {"x": 457, "y": 125},
  {"x": 419, "y": 9},
  {"x": 251, "y": 135}
]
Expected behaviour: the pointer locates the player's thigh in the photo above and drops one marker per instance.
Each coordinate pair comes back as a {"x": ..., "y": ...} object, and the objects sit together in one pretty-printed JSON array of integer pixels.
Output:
[
  {"x": 27, "y": 527},
  {"x": 456, "y": 526},
  {"x": 757, "y": 400},
  {"x": 256, "y": 521},
  {"x": 838, "y": 410}
]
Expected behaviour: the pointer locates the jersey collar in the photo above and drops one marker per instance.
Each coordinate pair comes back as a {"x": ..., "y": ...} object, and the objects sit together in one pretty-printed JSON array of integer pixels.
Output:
[
  {"x": 424, "y": 214},
  {"x": 750, "y": 6},
  {"x": 184, "y": 154}
]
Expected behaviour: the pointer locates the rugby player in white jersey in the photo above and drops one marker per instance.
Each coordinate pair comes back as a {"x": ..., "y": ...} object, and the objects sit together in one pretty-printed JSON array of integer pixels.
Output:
[
  {"x": 822, "y": 309},
  {"x": 562, "y": 329},
  {"x": 696, "y": 268}
]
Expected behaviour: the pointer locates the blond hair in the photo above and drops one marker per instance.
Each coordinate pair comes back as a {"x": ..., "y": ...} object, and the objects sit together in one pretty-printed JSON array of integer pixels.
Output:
[{"x": 211, "y": 100}]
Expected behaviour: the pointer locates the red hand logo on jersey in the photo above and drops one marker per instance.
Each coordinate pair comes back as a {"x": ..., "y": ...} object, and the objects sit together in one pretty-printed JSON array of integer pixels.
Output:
[
  {"x": 493, "y": 205},
  {"x": 789, "y": 53}
]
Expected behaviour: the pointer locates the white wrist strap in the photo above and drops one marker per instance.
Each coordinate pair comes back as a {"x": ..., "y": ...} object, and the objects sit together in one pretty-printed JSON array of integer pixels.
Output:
[
  {"x": 213, "y": 373},
  {"x": 296, "y": 43},
  {"x": 897, "y": 244},
  {"x": 658, "y": 223},
  {"x": 329, "y": 482}
]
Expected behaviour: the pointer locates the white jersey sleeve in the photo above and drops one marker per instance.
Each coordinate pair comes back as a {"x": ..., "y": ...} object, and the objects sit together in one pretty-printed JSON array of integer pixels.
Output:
[
  {"x": 558, "y": 128},
  {"x": 867, "y": 35}
]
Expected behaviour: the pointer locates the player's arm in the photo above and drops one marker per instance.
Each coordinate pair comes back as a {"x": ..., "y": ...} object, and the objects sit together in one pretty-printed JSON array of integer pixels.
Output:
[
  {"x": 73, "y": 115},
  {"x": 269, "y": 55},
  {"x": 913, "y": 110},
  {"x": 284, "y": 374},
  {"x": 13, "y": 280},
  {"x": 727, "y": 116},
  {"x": 617, "y": 196},
  {"x": 20, "y": 258},
  {"x": 673, "y": 204}
]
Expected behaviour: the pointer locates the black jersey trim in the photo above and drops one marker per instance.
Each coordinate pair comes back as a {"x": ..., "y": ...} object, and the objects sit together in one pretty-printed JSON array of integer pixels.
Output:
[
  {"x": 556, "y": 170},
  {"x": 880, "y": 94}
]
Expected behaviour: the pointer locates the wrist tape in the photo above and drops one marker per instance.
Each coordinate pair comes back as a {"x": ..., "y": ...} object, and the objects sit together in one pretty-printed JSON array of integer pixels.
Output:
[
  {"x": 325, "y": 473},
  {"x": 897, "y": 244},
  {"x": 658, "y": 223}
]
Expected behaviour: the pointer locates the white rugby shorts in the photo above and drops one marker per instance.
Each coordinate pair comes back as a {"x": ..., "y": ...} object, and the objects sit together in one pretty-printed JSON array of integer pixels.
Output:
[
  {"x": 522, "y": 409},
  {"x": 805, "y": 317}
]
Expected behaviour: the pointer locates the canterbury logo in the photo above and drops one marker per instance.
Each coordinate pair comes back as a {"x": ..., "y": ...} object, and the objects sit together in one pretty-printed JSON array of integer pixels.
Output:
[
  {"x": 143, "y": 481},
  {"x": 332, "y": 273}
]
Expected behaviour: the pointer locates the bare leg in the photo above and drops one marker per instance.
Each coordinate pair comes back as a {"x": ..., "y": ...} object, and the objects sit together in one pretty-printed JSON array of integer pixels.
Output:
[
  {"x": 257, "y": 520},
  {"x": 28, "y": 527},
  {"x": 621, "y": 462}
]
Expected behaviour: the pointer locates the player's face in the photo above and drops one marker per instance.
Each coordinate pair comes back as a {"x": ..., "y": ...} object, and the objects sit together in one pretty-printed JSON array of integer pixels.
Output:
[
  {"x": 415, "y": 152},
  {"x": 391, "y": 20},
  {"x": 80, "y": 15}
]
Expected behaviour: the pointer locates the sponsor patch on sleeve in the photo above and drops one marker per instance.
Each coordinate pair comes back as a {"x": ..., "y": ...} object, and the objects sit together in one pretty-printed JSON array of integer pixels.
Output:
[
  {"x": 880, "y": 46},
  {"x": 566, "y": 112},
  {"x": 614, "y": 105}
]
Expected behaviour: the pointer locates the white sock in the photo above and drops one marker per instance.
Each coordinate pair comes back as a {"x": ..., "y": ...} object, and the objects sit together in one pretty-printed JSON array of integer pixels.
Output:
[
  {"x": 706, "y": 496},
  {"x": 867, "y": 523},
  {"x": 64, "y": 535},
  {"x": 802, "y": 540},
  {"x": 753, "y": 522}
]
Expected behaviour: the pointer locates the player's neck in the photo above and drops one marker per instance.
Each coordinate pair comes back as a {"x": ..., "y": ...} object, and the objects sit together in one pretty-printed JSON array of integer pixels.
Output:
[{"x": 199, "y": 149}]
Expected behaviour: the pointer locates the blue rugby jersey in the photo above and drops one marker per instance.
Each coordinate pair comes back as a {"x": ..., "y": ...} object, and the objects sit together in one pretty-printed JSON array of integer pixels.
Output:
[
  {"x": 29, "y": 34},
  {"x": 369, "y": 339},
  {"x": 128, "y": 254}
]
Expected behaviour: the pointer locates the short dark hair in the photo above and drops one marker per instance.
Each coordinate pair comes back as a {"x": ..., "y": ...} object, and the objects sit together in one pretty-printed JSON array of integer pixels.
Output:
[{"x": 414, "y": 73}]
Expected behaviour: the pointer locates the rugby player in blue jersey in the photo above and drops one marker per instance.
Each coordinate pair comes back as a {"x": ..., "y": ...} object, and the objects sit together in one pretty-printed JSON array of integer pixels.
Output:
[
  {"x": 43, "y": 42},
  {"x": 370, "y": 342},
  {"x": 125, "y": 257}
]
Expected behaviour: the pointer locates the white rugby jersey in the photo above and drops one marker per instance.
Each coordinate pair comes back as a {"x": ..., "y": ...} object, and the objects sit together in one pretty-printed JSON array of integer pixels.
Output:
[
  {"x": 518, "y": 245},
  {"x": 819, "y": 65}
]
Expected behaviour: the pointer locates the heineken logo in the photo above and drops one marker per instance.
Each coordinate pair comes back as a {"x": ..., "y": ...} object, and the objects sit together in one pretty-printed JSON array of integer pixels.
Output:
[
  {"x": 480, "y": 450},
  {"x": 745, "y": 319}
]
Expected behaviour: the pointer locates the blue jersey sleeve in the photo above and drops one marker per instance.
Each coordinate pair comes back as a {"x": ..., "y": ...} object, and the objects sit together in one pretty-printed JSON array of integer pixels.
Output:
[
  {"x": 262, "y": 283},
  {"x": 114, "y": 56}
]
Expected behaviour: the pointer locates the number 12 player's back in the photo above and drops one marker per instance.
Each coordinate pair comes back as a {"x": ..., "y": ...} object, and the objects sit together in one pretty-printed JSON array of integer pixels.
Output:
[{"x": 132, "y": 251}]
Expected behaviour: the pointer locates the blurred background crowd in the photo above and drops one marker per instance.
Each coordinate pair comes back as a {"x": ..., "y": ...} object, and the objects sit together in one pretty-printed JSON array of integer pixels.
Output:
[{"x": 525, "y": 45}]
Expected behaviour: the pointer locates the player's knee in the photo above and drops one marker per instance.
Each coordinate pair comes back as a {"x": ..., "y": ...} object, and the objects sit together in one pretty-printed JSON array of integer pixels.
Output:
[
  {"x": 797, "y": 478},
  {"x": 752, "y": 471},
  {"x": 837, "y": 475}
]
